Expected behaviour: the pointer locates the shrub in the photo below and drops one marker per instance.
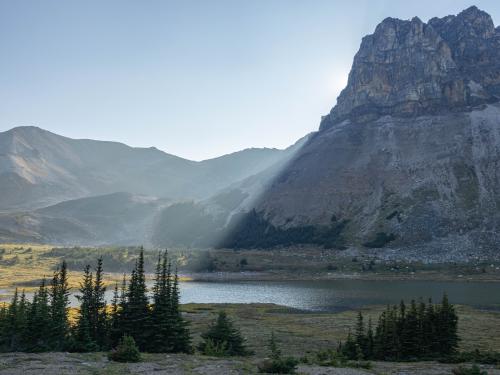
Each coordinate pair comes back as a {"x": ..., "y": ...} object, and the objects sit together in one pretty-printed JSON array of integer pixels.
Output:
[
  {"x": 477, "y": 356},
  {"x": 474, "y": 370},
  {"x": 126, "y": 351},
  {"x": 366, "y": 365},
  {"x": 277, "y": 364},
  {"x": 329, "y": 358},
  {"x": 335, "y": 358},
  {"x": 214, "y": 349}
]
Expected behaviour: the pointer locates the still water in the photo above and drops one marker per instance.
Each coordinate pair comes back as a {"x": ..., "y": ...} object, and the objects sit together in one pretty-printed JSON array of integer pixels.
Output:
[{"x": 335, "y": 295}]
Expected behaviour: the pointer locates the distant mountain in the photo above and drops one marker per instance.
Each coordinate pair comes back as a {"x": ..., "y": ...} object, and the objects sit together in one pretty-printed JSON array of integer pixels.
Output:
[
  {"x": 118, "y": 218},
  {"x": 408, "y": 159},
  {"x": 39, "y": 168},
  {"x": 110, "y": 193}
]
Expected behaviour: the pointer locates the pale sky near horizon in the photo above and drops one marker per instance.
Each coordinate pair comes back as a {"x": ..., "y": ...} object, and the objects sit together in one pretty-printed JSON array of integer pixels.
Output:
[{"x": 196, "y": 79}]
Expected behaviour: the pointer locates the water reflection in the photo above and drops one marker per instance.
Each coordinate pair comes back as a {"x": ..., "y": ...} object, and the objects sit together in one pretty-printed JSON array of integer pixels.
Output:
[{"x": 334, "y": 295}]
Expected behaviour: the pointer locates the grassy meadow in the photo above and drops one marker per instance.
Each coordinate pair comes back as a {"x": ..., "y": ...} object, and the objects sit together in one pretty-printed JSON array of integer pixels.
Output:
[{"x": 23, "y": 266}]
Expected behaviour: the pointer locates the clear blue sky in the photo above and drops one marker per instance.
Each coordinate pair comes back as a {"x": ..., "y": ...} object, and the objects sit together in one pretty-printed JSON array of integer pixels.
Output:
[{"x": 193, "y": 78}]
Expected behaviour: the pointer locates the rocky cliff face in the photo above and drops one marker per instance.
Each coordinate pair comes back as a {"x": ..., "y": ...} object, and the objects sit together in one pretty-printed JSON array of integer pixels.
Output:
[
  {"x": 409, "y": 158},
  {"x": 412, "y": 68}
]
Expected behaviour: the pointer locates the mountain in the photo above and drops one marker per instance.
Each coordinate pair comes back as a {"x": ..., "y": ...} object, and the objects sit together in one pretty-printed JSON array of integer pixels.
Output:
[
  {"x": 39, "y": 168},
  {"x": 109, "y": 193},
  {"x": 205, "y": 223},
  {"x": 405, "y": 165},
  {"x": 409, "y": 158},
  {"x": 118, "y": 218}
]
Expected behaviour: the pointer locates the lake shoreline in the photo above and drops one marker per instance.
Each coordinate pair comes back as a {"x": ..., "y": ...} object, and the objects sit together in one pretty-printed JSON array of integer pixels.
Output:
[{"x": 304, "y": 276}]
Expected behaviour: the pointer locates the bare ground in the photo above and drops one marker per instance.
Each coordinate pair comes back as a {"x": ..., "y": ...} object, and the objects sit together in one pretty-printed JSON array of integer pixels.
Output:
[{"x": 179, "y": 364}]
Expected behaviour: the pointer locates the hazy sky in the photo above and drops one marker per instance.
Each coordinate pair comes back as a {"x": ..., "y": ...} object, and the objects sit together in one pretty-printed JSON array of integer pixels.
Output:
[{"x": 193, "y": 78}]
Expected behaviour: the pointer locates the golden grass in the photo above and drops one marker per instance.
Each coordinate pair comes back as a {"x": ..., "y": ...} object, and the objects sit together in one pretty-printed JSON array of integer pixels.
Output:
[{"x": 24, "y": 266}]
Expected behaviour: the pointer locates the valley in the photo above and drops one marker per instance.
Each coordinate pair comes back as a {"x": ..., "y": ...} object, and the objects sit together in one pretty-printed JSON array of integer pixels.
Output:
[{"x": 369, "y": 246}]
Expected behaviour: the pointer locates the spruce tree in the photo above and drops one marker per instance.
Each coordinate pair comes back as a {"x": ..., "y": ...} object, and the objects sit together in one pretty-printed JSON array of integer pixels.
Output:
[
  {"x": 420, "y": 332},
  {"x": 430, "y": 320},
  {"x": 181, "y": 336},
  {"x": 13, "y": 328},
  {"x": 117, "y": 325},
  {"x": 3, "y": 328},
  {"x": 380, "y": 340},
  {"x": 422, "y": 341},
  {"x": 113, "y": 331},
  {"x": 82, "y": 336},
  {"x": 370, "y": 342},
  {"x": 350, "y": 348},
  {"x": 39, "y": 322},
  {"x": 136, "y": 309},
  {"x": 409, "y": 333},
  {"x": 59, "y": 293},
  {"x": 360, "y": 336},
  {"x": 446, "y": 331},
  {"x": 223, "y": 333},
  {"x": 98, "y": 309},
  {"x": 161, "y": 317}
]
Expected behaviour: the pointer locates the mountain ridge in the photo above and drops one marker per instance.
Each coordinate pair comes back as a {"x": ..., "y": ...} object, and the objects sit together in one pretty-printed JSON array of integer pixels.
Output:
[
  {"x": 410, "y": 68},
  {"x": 407, "y": 160},
  {"x": 39, "y": 168}
]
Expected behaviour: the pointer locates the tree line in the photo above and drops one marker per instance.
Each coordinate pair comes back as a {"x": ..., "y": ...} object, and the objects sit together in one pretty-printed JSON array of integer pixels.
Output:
[
  {"x": 43, "y": 324},
  {"x": 420, "y": 331}
]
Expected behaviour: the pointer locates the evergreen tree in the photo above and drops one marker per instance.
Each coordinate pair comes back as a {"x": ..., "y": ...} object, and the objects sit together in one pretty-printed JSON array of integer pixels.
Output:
[
  {"x": 181, "y": 336},
  {"x": 98, "y": 309},
  {"x": 82, "y": 337},
  {"x": 370, "y": 341},
  {"x": 360, "y": 336},
  {"x": 447, "y": 336},
  {"x": 39, "y": 322},
  {"x": 430, "y": 343},
  {"x": 380, "y": 340},
  {"x": 59, "y": 293},
  {"x": 3, "y": 328},
  {"x": 350, "y": 348},
  {"x": 135, "y": 320},
  {"x": 418, "y": 332},
  {"x": 160, "y": 319},
  {"x": 410, "y": 333},
  {"x": 422, "y": 342},
  {"x": 15, "y": 323},
  {"x": 224, "y": 333},
  {"x": 126, "y": 351},
  {"x": 113, "y": 325}
]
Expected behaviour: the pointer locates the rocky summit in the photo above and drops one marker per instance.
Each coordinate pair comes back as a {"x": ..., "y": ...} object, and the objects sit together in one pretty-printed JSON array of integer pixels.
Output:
[
  {"x": 408, "y": 161},
  {"x": 412, "y": 68}
]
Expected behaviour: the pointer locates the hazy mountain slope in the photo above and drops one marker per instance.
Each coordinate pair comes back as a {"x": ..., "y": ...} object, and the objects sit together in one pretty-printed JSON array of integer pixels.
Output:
[
  {"x": 409, "y": 157},
  {"x": 39, "y": 168},
  {"x": 119, "y": 218},
  {"x": 207, "y": 222},
  {"x": 66, "y": 168}
]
